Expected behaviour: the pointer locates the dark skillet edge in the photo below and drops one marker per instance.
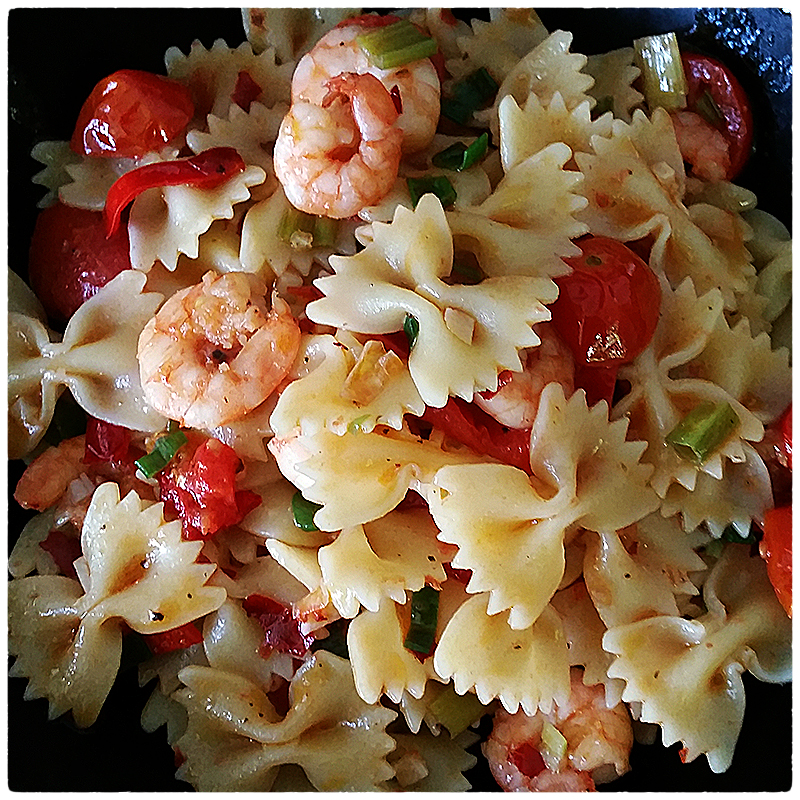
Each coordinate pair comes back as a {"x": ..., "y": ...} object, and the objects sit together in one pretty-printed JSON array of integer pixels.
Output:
[{"x": 115, "y": 754}]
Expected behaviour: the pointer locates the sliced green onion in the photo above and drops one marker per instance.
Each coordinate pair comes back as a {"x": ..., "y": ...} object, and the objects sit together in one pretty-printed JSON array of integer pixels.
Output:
[
  {"x": 356, "y": 426},
  {"x": 325, "y": 230},
  {"x": 396, "y": 44},
  {"x": 303, "y": 231},
  {"x": 424, "y": 616},
  {"x": 432, "y": 184},
  {"x": 163, "y": 452},
  {"x": 468, "y": 95},
  {"x": 303, "y": 512},
  {"x": 663, "y": 78},
  {"x": 708, "y": 109},
  {"x": 554, "y": 746},
  {"x": 411, "y": 329},
  {"x": 456, "y": 712},
  {"x": 459, "y": 156},
  {"x": 702, "y": 431}
]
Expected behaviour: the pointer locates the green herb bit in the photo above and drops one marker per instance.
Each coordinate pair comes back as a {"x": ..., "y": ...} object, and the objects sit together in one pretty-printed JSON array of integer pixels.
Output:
[
  {"x": 459, "y": 156},
  {"x": 396, "y": 44},
  {"x": 702, "y": 431},
  {"x": 732, "y": 534},
  {"x": 325, "y": 230},
  {"x": 663, "y": 79},
  {"x": 411, "y": 329},
  {"x": 424, "y": 616},
  {"x": 468, "y": 95},
  {"x": 303, "y": 512},
  {"x": 432, "y": 184},
  {"x": 163, "y": 452},
  {"x": 456, "y": 712},
  {"x": 357, "y": 425}
]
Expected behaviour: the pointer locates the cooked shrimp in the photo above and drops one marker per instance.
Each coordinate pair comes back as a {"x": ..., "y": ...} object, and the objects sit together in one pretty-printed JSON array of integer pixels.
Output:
[
  {"x": 702, "y": 146},
  {"x": 60, "y": 479},
  {"x": 598, "y": 743},
  {"x": 415, "y": 85},
  {"x": 336, "y": 158},
  {"x": 213, "y": 352},
  {"x": 516, "y": 400}
]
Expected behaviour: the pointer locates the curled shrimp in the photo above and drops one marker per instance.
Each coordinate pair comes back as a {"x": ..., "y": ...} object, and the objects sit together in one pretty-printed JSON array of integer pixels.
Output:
[
  {"x": 415, "y": 86},
  {"x": 702, "y": 146},
  {"x": 516, "y": 400},
  {"x": 213, "y": 352},
  {"x": 338, "y": 157},
  {"x": 598, "y": 744}
]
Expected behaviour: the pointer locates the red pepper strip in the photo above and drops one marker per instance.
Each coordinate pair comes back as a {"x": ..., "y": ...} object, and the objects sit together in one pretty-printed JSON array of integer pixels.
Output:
[
  {"x": 105, "y": 442},
  {"x": 207, "y": 170},
  {"x": 176, "y": 639},
  {"x": 473, "y": 427},
  {"x": 281, "y": 629},
  {"x": 64, "y": 549},
  {"x": 246, "y": 91}
]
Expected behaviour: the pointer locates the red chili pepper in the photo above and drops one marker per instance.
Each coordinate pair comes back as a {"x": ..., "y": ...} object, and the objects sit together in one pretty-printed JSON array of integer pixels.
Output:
[
  {"x": 207, "y": 170},
  {"x": 200, "y": 488},
  {"x": 281, "y": 630},
  {"x": 105, "y": 442},
  {"x": 176, "y": 639}
]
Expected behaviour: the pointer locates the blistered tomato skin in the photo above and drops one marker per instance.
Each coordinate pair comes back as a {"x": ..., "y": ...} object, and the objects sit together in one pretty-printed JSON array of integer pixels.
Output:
[
  {"x": 71, "y": 257},
  {"x": 131, "y": 113}
]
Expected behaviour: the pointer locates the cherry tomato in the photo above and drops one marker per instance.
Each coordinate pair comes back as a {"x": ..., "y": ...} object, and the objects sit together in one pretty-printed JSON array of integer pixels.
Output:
[
  {"x": 786, "y": 432},
  {"x": 606, "y": 311},
  {"x": 70, "y": 258},
  {"x": 131, "y": 113},
  {"x": 709, "y": 79},
  {"x": 776, "y": 549}
]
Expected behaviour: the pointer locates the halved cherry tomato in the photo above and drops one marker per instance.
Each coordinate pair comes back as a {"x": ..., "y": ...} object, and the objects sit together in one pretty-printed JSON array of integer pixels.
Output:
[
  {"x": 105, "y": 442},
  {"x": 70, "y": 258},
  {"x": 131, "y": 113},
  {"x": 776, "y": 549},
  {"x": 606, "y": 312},
  {"x": 281, "y": 630},
  {"x": 712, "y": 84},
  {"x": 199, "y": 487}
]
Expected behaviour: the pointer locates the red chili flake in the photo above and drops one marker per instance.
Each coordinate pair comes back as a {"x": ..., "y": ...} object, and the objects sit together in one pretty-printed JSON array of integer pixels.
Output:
[
  {"x": 281, "y": 629},
  {"x": 394, "y": 93},
  {"x": 246, "y": 91},
  {"x": 106, "y": 442},
  {"x": 64, "y": 550},
  {"x": 176, "y": 639},
  {"x": 461, "y": 575}
]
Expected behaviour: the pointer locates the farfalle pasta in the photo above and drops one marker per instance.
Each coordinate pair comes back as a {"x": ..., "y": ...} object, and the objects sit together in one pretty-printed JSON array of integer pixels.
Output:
[{"x": 470, "y": 476}]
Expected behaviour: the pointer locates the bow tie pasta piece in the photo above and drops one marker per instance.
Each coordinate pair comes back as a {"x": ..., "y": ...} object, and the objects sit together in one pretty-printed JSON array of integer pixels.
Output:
[
  {"x": 687, "y": 673},
  {"x": 96, "y": 360},
  {"x": 526, "y": 668},
  {"x": 660, "y": 398},
  {"x": 168, "y": 221},
  {"x": 211, "y": 75},
  {"x": 234, "y": 738},
  {"x": 55, "y": 157},
  {"x": 349, "y": 387},
  {"x": 527, "y": 130},
  {"x": 136, "y": 571},
  {"x": 526, "y": 225},
  {"x": 381, "y": 467},
  {"x": 90, "y": 178},
  {"x": 444, "y": 760},
  {"x": 385, "y": 558},
  {"x": 511, "y": 535},
  {"x": 467, "y": 334},
  {"x": 614, "y": 73},
  {"x": 496, "y": 45}
]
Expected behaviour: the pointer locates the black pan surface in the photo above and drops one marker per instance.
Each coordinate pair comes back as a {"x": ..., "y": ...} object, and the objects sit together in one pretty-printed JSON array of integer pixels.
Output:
[{"x": 55, "y": 58}]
